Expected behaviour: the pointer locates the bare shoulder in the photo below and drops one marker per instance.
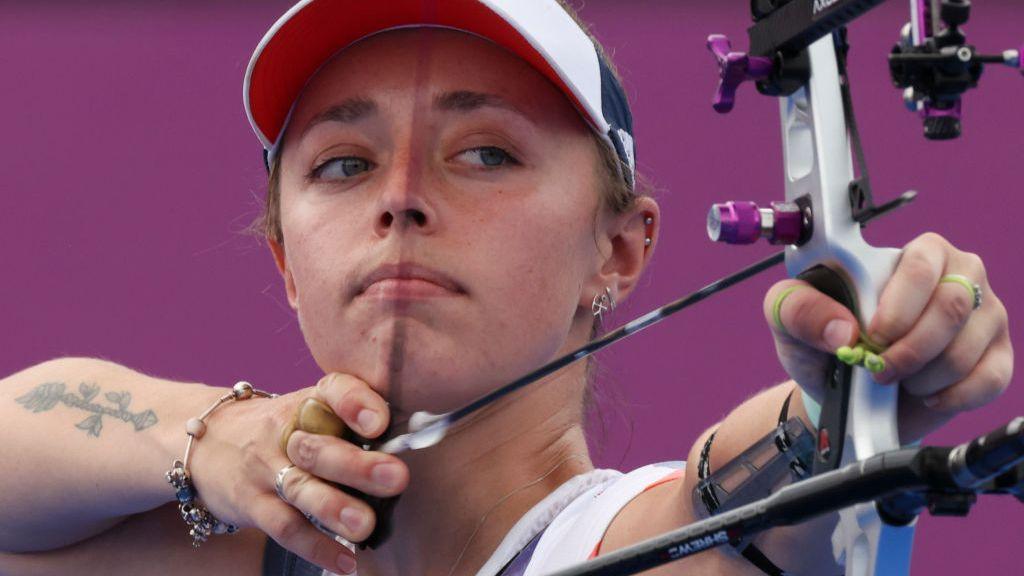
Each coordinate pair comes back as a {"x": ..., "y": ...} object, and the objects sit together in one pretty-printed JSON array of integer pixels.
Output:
[{"x": 156, "y": 542}]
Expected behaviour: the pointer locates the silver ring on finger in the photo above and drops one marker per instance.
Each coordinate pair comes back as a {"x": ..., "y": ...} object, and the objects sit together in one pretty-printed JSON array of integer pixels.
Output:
[{"x": 279, "y": 482}]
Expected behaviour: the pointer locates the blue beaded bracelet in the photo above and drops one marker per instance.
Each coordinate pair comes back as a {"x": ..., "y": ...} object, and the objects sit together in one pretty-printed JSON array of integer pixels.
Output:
[{"x": 200, "y": 521}]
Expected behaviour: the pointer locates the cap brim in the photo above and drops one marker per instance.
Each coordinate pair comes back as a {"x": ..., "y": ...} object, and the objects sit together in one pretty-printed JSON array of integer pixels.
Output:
[{"x": 314, "y": 30}]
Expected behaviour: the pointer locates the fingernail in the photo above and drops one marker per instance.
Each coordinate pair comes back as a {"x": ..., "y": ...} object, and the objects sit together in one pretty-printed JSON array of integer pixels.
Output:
[
  {"x": 931, "y": 401},
  {"x": 354, "y": 520},
  {"x": 838, "y": 333},
  {"x": 386, "y": 475},
  {"x": 346, "y": 563},
  {"x": 368, "y": 420}
]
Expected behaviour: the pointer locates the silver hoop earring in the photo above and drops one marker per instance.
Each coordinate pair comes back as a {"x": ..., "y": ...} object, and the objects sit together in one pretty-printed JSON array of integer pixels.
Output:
[{"x": 603, "y": 301}]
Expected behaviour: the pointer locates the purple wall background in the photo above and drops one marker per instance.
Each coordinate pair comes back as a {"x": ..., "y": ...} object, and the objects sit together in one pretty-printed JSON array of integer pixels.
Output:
[{"x": 129, "y": 171}]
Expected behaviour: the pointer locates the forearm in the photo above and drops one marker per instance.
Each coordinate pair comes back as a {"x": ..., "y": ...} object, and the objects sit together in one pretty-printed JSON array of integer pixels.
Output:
[
  {"x": 87, "y": 444},
  {"x": 750, "y": 422},
  {"x": 803, "y": 549},
  {"x": 150, "y": 543}
]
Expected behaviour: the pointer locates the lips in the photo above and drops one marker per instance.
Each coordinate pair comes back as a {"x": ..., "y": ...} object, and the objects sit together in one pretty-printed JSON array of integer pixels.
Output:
[{"x": 407, "y": 280}]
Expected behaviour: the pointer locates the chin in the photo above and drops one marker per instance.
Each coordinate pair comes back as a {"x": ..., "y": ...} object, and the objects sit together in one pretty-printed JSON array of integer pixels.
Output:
[
  {"x": 419, "y": 367},
  {"x": 435, "y": 381},
  {"x": 432, "y": 374}
]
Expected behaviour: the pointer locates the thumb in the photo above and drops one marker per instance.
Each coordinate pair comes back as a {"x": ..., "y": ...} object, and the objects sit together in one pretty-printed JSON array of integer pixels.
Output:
[{"x": 796, "y": 310}]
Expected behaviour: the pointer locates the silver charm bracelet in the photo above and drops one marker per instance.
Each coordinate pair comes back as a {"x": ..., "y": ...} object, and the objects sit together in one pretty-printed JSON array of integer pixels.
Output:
[{"x": 200, "y": 521}]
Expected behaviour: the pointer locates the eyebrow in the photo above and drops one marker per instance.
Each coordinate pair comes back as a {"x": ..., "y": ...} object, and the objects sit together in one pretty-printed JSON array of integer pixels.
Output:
[
  {"x": 468, "y": 101},
  {"x": 348, "y": 111},
  {"x": 352, "y": 110}
]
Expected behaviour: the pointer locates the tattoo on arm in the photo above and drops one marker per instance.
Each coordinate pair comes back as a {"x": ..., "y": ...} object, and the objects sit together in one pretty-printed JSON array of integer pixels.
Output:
[{"x": 46, "y": 396}]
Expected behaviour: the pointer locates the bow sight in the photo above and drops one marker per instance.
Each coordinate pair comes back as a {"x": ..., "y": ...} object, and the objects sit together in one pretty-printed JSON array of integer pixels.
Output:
[
  {"x": 937, "y": 66},
  {"x": 932, "y": 61}
]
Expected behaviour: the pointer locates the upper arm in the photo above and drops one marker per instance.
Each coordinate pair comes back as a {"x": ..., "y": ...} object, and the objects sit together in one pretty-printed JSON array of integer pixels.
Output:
[
  {"x": 802, "y": 549},
  {"x": 661, "y": 509},
  {"x": 667, "y": 507},
  {"x": 155, "y": 542}
]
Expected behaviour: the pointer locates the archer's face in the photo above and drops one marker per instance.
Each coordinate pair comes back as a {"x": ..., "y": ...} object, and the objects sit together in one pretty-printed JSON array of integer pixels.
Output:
[{"x": 439, "y": 199}]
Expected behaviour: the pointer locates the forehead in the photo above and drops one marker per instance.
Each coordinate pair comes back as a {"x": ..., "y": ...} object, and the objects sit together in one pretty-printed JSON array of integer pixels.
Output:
[{"x": 422, "y": 63}]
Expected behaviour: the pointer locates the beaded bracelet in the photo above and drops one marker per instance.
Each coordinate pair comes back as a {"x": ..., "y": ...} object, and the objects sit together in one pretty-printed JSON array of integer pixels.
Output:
[{"x": 200, "y": 521}]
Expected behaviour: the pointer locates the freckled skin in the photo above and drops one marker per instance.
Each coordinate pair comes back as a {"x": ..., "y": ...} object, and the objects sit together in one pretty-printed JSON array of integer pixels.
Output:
[{"x": 519, "y": 240}]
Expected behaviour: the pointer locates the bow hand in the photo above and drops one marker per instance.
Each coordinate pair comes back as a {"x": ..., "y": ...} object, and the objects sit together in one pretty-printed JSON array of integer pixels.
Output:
[{"x": 946, "y": 356}]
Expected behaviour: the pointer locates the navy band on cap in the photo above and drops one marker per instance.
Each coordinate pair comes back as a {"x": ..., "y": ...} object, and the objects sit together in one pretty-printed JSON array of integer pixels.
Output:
[{"x": 615, "y": 108}]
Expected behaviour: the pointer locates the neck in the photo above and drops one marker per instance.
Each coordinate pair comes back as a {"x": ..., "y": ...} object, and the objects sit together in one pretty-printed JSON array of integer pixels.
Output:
[{"x": 466, "y": 492}]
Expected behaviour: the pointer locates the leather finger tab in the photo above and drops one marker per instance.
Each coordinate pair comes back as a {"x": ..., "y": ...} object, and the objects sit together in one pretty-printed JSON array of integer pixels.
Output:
[{"x": 286, "y": 434}]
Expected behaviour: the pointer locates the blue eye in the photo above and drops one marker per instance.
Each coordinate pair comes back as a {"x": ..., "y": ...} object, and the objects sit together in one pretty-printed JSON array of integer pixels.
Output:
[
  {"x": 489, "y": 157},
  {"x": 341, "y": 168}
]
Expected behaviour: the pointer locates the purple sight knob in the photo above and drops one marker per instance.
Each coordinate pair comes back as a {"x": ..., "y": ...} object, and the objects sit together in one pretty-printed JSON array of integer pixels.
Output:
[
  {"x": 743, "y": 223},
  {"x": 734, "y": 68},
  {"x": 734, "y": 223}
]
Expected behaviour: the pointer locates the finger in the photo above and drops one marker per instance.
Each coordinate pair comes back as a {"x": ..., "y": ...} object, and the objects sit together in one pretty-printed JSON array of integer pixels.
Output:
[
  {"x": 337, "y": 511},
  {"x": 289, "y": 528},
  {"x": 910, "y": 289},
  {"x": 340, "y": 461},
  {"x": 983, "y": 385},
  {"x": 960, "y": 357},
  {"x": 943, "y": 319},
  {"x": 915, "y": 420},
  {"x": 358, "y": 405},
  {"x": 795, "y": 309}
]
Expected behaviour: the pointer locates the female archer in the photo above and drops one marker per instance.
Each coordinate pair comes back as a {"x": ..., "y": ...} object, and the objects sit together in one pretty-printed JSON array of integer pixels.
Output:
[{"x": 453, "y": 201}]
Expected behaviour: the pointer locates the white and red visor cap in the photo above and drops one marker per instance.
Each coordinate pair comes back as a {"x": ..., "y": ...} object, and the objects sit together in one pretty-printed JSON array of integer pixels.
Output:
[{"x": 538, "y": 31}]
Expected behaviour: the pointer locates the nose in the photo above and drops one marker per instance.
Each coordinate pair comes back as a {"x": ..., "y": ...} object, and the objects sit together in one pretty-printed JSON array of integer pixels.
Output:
[
  {"x": 403, "y": 203},
  {"x": 412, "y": 216}
]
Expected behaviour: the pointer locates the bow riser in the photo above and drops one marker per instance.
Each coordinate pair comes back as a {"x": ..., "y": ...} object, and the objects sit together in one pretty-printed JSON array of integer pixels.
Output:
[{"x": 819, "y": 168}]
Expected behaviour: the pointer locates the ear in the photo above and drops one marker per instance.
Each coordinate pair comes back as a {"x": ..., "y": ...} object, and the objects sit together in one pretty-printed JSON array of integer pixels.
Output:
[
  {"x": 282, "y": 266},
  {"x": 626, "y": 243}
]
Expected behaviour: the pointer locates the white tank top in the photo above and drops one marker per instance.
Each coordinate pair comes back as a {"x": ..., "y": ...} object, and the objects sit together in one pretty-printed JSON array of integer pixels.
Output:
[{"x": 574, "y": 518}]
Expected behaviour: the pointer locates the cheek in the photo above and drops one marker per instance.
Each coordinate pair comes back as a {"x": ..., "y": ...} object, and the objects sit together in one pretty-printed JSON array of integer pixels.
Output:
[
  {"x": 320, "y": 270},
  {"x": 312, "y": 287},
  {"x": 539, "y": 265}
]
